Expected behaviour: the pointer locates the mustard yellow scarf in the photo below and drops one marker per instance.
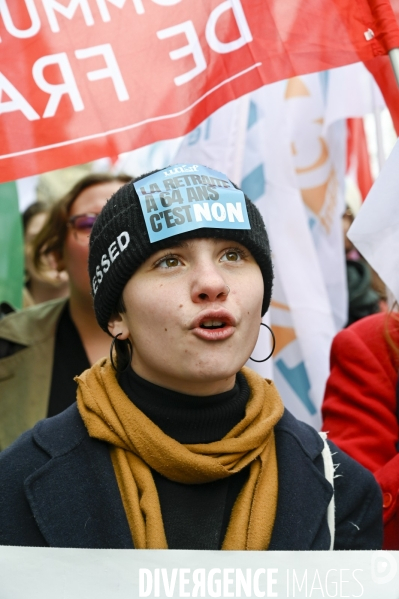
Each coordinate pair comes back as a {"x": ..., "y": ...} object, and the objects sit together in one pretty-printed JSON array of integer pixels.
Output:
[{"x": 137, "y": 445}]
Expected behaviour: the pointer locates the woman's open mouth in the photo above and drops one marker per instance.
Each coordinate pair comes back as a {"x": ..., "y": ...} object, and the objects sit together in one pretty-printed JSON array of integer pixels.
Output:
[{"x": 214, "y": 325}]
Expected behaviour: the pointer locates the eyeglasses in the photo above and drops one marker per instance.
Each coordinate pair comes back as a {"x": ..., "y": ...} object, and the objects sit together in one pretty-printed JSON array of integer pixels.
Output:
[{"x": 81, "y": 225}]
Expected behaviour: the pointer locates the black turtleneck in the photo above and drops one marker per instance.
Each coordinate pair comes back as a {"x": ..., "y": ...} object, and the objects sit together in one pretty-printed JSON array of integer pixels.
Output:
[{"x": 194, "y": 516}]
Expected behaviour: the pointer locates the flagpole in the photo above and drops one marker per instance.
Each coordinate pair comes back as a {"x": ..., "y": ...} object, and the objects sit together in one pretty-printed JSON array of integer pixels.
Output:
[{"x": 394, "y": 57}]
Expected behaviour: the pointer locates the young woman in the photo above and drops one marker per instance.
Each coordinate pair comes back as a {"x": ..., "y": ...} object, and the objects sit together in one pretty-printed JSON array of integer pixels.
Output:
[
  {"x": 173, "y": 443},
  {"x": 43, "y": 347}
]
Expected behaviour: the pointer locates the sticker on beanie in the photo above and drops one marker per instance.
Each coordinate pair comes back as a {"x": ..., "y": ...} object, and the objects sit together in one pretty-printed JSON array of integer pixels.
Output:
[{"x": 185, "y": 197}]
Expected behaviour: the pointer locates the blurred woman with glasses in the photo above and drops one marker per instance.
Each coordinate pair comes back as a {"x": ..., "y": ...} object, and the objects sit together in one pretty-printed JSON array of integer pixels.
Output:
[
  {"x": 43, "y": 347},
  {"x": 49, "y": 282}
]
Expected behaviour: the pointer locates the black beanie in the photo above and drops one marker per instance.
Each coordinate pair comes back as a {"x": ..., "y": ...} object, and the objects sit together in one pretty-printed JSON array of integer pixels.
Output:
[{"x": 119, "y": 244}]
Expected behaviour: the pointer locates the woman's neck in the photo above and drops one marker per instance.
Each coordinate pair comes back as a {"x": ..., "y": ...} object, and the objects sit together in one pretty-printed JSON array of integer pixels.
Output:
[
  {"x": 95, "y": 342},
  {"x": 188, "y": 418},
  {"x": 43, "y": 292}
]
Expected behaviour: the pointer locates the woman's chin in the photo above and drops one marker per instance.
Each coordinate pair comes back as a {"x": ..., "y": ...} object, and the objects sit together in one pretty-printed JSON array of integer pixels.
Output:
[{"x": 213, "y": 373}]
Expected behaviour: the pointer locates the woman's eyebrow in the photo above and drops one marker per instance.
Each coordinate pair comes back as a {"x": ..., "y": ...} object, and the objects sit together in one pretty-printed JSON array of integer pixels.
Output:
[
  {"x": 186, "y": 242},
  {"x": 178, "y": 244}
]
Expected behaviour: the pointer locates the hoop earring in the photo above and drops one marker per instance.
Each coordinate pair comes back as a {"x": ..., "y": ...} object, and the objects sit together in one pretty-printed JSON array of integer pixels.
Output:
[
  {"x": 129, "y": 346},
  {"x": 262, "y": 324},
  {"x": 111, "y": 350},
  {"x": 130, "y": 350}
]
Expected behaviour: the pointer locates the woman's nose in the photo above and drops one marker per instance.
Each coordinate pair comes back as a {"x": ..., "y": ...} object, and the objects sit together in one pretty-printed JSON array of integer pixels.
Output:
[{"x": 209, "y": 285}]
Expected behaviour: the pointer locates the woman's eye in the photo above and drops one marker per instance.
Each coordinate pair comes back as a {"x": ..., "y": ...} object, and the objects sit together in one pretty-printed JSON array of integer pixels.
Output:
[
  {"x": 231, "y": 256},
  {"x": 169, "y": 262}
]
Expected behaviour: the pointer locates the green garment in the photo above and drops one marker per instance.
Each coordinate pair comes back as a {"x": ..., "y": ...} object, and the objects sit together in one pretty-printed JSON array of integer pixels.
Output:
[{"x": 11, "y": 246}]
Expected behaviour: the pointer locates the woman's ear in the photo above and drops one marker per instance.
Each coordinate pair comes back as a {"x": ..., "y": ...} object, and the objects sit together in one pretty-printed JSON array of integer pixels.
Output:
[
  {"x": 117, "y": 326},
  {"x": 59, "y": 261}
]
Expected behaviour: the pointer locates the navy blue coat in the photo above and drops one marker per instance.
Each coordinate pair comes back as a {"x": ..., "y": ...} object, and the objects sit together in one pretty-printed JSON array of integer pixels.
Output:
[{"x": 58, "y": 489}]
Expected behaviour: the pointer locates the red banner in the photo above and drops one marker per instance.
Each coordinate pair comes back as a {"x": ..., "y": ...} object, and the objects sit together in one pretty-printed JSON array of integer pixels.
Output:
[
  {"x": 82, "y": 79},
  {"x": 382, "y": 71}
]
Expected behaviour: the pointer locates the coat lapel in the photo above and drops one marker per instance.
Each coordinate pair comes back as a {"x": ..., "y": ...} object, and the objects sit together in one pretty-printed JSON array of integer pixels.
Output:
[
  {"x": 26, "y": 375},
  {"x": 25, "y": 379},
  {"x": 74, "y": 497},
  {"x": 303, "y": 492}
]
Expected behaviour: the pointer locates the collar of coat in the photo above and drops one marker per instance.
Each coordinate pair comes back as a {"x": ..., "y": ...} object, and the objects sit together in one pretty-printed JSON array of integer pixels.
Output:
[
  {"x": 76, "y": 502},
  {"x": 34, "y": 324}
]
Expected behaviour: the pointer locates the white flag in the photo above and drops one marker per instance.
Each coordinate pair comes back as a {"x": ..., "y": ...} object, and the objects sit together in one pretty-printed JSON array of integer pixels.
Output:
[
  {"x": 375, "y": 230},
  {"x": 300, "y": 314}
]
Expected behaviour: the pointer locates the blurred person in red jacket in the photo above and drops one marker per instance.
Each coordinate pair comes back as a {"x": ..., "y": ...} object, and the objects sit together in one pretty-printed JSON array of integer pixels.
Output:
[{"x": 360, "y": 409}]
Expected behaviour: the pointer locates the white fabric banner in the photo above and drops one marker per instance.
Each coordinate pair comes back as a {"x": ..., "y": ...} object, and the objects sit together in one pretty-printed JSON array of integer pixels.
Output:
[
  {"x": 319, "y": 158},
  {"x": 44, "y": 573},
  {"x": 300, "y": 314},
  {"x": 352, "y": 92},
  {"x": 375, "y": 230}
]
